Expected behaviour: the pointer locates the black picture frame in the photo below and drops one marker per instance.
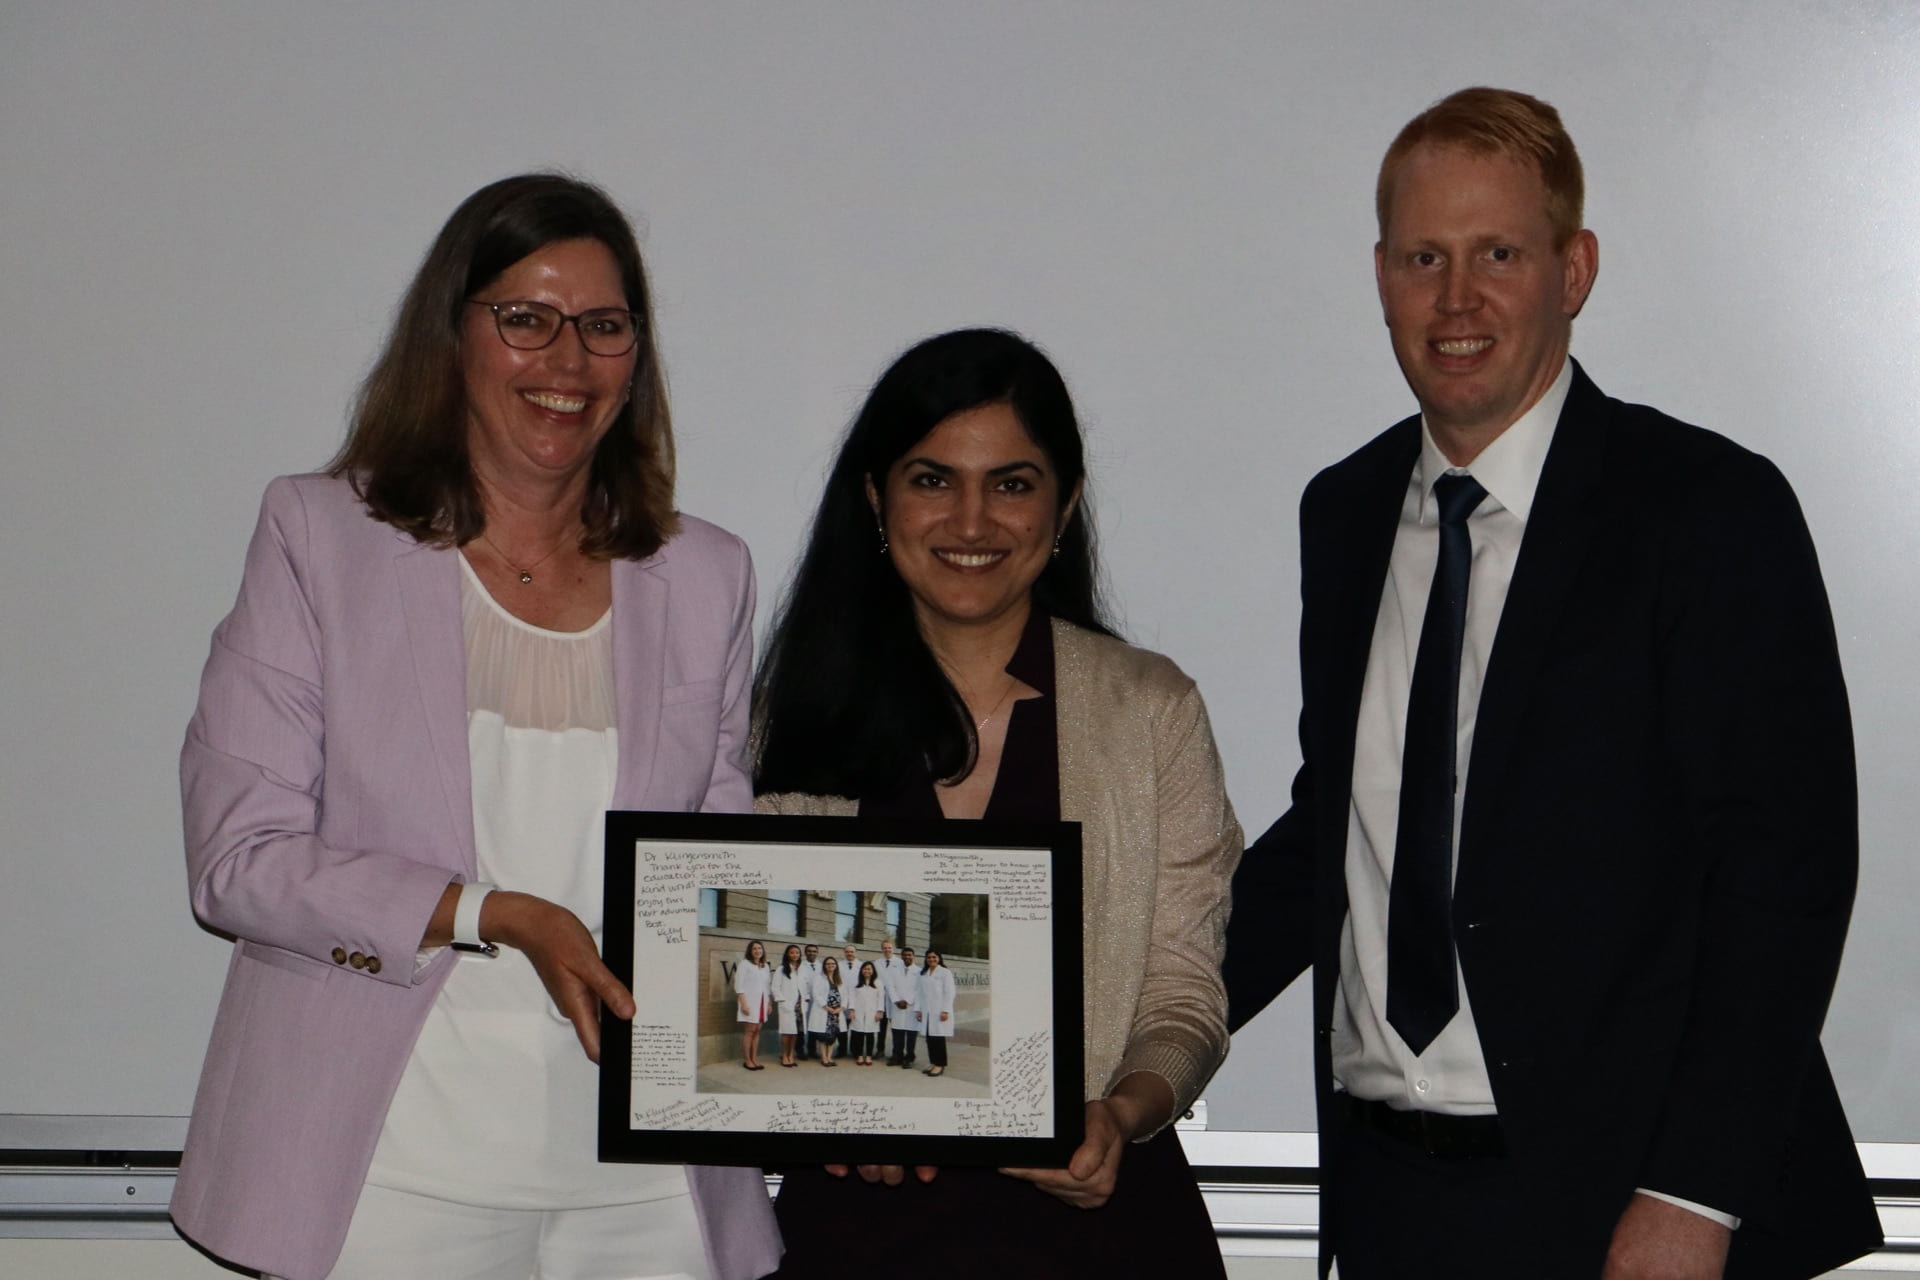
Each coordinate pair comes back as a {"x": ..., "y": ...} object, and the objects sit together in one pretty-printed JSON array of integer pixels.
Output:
[{"x": 1026, "y": 877}]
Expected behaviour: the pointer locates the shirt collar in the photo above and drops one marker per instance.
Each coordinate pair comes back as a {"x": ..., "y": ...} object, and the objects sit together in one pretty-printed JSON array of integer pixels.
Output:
[{"x": 1509, "y": 468}]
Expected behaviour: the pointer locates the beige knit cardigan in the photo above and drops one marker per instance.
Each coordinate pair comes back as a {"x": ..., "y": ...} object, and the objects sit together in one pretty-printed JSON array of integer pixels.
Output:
[{"x": 1159, "y": 842}]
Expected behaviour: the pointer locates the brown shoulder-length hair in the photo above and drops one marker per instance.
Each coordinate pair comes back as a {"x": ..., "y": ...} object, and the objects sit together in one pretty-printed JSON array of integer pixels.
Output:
[{"x": 406, "y": 451}]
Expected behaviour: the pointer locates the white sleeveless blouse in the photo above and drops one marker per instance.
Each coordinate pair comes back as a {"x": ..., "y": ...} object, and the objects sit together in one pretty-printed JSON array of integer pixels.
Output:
[{"x": 498, "y": 1103}]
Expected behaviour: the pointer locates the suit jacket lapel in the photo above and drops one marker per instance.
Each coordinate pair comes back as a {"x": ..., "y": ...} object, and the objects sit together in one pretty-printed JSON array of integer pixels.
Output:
[
  {"x": 1361, "y": 546},
  {"x": 640, "y": 601},
  {"x": 428, "y": 581},
  {"x": 1561, "y": 530},
  {"x": 1347, "y": 589}
]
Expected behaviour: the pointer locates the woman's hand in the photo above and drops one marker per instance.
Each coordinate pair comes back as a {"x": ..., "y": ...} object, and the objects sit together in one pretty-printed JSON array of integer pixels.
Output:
[
  {"x": 564, "y": 956},
  {"x": 1138, "y": 1105},
  {"x": 1090, "y": 1176},
  {"x": 891, "y": 1174}
]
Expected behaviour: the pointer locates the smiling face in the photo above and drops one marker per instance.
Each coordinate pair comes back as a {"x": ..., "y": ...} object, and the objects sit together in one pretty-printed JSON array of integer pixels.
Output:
[
  {"x": 791, "y": 956},
  {"x": 537, "y": 416},
  {"x": 813, "y": 953},
  {"x": 757, "y": 954},
  {"x": 1478, "y": 300},
  {"x": 970, "y": 513},
  {"x": 933, "y": 960}
]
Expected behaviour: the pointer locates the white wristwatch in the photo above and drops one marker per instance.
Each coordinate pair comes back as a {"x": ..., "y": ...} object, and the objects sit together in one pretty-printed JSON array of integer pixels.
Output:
[{"x": 466, "y": 919}]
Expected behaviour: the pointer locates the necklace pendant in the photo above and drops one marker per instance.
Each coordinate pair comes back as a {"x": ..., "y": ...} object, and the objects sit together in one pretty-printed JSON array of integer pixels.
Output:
[{"x": 525, "y": 577}]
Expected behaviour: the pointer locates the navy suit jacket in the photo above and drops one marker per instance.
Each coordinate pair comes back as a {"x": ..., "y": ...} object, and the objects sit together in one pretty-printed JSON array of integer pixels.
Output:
[{"x": 1658, "y": 841}]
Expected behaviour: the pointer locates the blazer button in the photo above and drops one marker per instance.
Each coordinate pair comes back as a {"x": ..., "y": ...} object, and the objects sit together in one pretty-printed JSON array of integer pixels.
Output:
[
  {"x": 373, "y": 964},
  {"x": 357, "y": 960},
  {"x": 339, "y": 955}
]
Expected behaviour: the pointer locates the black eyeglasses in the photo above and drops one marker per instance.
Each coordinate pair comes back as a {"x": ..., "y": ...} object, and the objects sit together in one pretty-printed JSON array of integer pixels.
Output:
[{"x": 529, "y": 326}]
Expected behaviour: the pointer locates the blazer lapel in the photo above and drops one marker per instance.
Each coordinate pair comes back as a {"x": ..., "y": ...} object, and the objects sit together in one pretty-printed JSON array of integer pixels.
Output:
[
  {"x": 640, "y": 601},
  {"x": 1560, "y": 534},
  {"x": 428, "y": 580}
]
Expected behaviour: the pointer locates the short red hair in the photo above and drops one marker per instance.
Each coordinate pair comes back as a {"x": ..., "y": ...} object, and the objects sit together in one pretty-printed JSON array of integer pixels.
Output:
[{"x": 1496, "y": 122}]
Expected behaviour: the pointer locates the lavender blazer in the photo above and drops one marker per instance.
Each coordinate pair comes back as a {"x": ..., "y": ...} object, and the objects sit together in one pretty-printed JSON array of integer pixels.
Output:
[{"x": 327, "y": 799}]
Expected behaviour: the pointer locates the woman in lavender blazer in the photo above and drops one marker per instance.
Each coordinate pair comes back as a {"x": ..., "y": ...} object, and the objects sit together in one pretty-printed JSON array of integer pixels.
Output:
[{"x": 339, "y": 814}]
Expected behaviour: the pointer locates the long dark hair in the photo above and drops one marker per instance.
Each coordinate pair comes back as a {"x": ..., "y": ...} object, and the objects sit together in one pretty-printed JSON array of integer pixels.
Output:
[
  {"x": 850, "y": 701},
  {"x": 406, "y": 452},
  {"x": 791, "y": 953},
  {"x": 869, "y": 975}
]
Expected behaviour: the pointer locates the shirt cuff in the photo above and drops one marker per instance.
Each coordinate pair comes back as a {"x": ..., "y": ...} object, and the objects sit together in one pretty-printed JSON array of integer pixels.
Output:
[{"x": 1726, "y": 1220}]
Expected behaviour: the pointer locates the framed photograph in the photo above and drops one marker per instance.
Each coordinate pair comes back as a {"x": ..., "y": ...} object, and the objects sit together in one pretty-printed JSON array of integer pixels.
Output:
[{"x": 788, "y": 1009}]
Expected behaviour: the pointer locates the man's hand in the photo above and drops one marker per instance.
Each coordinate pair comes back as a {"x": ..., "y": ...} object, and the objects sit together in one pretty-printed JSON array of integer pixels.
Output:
[{"x": 1655, "y": 1240}]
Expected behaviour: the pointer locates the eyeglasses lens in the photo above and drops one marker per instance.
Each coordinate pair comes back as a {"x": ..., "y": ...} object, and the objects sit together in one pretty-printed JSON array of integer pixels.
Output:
[{"x": 530, "y": 326}]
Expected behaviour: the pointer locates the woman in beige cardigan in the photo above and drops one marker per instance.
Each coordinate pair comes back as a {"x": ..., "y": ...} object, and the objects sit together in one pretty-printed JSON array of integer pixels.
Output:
[{"x": 941, "y": 652}]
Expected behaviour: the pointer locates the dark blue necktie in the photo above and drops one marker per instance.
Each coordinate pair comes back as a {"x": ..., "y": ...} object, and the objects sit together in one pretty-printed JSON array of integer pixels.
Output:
[{"x": 1422, "y": 995}]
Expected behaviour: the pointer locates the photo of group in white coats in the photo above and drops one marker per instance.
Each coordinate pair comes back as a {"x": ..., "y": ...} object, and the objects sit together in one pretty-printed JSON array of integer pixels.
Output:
[{"x": 807, "y": 1009}]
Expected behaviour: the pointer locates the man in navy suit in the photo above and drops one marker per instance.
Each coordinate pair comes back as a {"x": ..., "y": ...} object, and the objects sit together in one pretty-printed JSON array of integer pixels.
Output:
[{"x": 1572, "y": 847}]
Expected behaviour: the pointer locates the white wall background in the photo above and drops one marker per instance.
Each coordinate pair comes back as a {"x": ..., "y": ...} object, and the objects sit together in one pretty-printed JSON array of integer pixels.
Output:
[{"x": 208, "y": 209}]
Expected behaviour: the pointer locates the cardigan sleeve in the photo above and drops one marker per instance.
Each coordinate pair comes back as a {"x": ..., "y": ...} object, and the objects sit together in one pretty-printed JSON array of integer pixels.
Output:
[{"x": 1179, "y": 1029}]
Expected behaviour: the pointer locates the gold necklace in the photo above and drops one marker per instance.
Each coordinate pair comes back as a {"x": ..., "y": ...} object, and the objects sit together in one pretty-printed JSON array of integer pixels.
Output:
[
  {"x": 980, "y": 725},
  {"x": 525, "y": 572}
]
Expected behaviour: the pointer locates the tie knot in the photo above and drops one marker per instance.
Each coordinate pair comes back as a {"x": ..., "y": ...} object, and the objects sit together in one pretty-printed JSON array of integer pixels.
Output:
[{"x": 1458, "y": 495}]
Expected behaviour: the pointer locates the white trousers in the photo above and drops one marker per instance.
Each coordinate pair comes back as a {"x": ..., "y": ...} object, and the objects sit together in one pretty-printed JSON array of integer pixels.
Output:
[{"x": 396, "y": 1235}]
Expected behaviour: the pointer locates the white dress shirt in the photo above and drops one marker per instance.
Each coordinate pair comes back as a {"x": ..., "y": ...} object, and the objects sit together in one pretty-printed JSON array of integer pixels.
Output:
[{"x": 1369, "y": 1058}]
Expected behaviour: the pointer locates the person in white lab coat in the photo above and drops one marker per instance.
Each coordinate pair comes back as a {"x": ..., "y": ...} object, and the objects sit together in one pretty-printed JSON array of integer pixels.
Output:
[
  {"x": 902, "y": 992},
  {"x": 848, "y": 968},
  {"x": 889, "y": 964},
  {"x": 826, "y": 1012},
  {"x": 789, "y": 990},
  {"x": 750, "y": 983},
  {"x": 936, "y": 1010},
  {"x": 813, "y": 971},
  {"x": 863, "y": 1014}
]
